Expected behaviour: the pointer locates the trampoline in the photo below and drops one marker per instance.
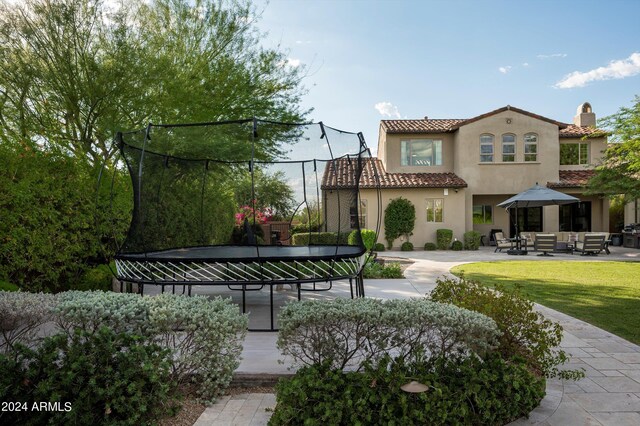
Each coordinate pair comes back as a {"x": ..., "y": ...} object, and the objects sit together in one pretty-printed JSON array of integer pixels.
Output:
[{"x": 241, "y": 204}]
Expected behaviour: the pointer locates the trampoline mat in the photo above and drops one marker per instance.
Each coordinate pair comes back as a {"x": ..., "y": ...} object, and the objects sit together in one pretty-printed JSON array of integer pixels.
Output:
[{"x": 247, "y": 254}]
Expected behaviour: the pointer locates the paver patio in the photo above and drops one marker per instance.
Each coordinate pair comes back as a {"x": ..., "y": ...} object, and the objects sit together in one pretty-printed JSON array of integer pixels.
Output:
[{"x": 608, "y": 395}]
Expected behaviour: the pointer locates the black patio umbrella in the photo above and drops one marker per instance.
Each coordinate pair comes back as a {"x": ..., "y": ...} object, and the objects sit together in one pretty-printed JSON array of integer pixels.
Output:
[{"x": 536, "y": 196}]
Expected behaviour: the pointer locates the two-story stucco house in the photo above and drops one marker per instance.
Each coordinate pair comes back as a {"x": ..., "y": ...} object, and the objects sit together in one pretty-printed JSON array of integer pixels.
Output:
[{"x": 455, "y": 172}]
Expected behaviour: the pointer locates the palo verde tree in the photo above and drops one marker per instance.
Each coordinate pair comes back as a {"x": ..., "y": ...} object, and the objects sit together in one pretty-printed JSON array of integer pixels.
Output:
[
  {"x": 399, "y": 220},
  {"x": 619, "y": 172},
  {"x": 74, "y": 71}
]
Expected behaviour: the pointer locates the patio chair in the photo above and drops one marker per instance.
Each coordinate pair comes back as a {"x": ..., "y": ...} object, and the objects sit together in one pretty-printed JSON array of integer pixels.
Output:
[
  {"x": 546, "y": 243},
  {"x": 502, "y": 242},
  {"x": 592, "y": 244}
]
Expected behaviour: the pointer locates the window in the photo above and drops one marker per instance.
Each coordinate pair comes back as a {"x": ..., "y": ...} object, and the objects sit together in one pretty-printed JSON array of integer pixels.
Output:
[
  {"x": 421, "y": 152},
  {"x": 574, "y": 153},
  {"x": 435, "y": 207},
  {"x": 530, "y": 147},
  {"x": 358, "y": 216},
  {"x": 486, "y": 148},
  {"x": 482, "y": 214},
  {"x": 508, "y": 148}
]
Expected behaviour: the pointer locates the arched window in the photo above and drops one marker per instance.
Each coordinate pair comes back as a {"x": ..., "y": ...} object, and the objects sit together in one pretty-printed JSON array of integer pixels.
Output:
[
  {"x": 530, "y": 147},
  {"x": 486, "y": 148},
  {"x": 508, "y": 148}
]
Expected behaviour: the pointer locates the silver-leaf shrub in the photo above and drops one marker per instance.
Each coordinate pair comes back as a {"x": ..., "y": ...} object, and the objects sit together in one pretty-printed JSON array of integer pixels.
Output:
[
  {"x": 204, "y": 335},
  {"x": 22, "y": 316},
  {"x": 349, "y": 333}
]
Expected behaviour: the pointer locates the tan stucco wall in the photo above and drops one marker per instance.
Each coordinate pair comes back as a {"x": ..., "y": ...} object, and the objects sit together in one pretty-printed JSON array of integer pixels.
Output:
[
  {"x": 424, "y": 231},
  {"x": 630, "y": 215},
  {"x": 391, "y": 149}
]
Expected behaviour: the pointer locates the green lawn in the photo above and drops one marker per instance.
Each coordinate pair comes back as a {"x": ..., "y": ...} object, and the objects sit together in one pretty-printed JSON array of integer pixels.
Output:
[{"x": 605, "y": 294}]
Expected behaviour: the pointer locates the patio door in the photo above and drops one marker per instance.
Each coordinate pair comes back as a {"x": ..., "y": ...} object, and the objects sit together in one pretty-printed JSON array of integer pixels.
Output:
[
  {"x": 529, "y": 220},
  {"x": 576, "y": 217}
]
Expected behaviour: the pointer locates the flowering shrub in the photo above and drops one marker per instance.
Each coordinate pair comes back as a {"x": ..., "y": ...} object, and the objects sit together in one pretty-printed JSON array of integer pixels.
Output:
[
  {"x": 247, "y": 212},
  {"x": 349, "y": 333},
  {"x": 204, "y": 335},
  {"x": 21, "y": 316}
]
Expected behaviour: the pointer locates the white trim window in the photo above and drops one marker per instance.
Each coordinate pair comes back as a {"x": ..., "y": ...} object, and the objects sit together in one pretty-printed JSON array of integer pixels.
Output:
[
  {"x": 530, "y": 147},
  {"x": 435, "y": 209},
  {"x": 486, "y": 148},
  {"x": 508, "y": 148},
  {"x": 421, "y": 152}
]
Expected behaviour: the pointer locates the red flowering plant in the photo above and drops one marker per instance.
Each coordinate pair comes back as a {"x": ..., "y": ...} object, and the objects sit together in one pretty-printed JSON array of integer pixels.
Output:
[{"x": 247, "y": 212}]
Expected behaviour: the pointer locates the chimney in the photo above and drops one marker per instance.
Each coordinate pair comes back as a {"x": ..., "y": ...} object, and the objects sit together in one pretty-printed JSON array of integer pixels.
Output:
[{"x": 585, "y": 116}]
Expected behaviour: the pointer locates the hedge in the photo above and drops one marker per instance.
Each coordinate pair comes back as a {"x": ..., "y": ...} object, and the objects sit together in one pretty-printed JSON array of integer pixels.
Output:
[{"x": 320, "y": 238}]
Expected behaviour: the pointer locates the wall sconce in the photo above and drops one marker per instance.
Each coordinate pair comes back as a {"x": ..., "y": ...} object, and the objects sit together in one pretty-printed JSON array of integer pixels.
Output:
[{"x": 446, "y": 191}]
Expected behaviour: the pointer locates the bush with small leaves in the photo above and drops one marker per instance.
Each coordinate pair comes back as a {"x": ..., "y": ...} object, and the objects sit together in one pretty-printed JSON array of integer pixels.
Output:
[
  {"x": 472, "y": 240},
  {"x": 97, "y": 378},
  {"x": 368, "y": 236},
  {"x": 457, "y": 245},
  {"x": 348, "y": 333},
  {"x": 430, "y": 246},
  {"x": 204, "y": 335},
  {"x": 399, "y": 220},
  {"x": 392, "y": 270},
  {"x": 21, "y": 317},
  {"x": 488, "y": 391},
  {"x": 406, "y": 246},
  {"x": 378, "y": 247},
  {"x": 443, "y": 238},
  {"x": 524, "y": 332}
]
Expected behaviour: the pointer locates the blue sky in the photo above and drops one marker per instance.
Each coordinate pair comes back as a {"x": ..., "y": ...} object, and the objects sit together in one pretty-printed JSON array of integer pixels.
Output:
[{"x": 370, "y": 60}]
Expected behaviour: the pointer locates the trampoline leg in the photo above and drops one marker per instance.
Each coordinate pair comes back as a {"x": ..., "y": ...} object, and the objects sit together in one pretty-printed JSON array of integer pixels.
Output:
[
  {"x": 162, "y": 291},
  {"x": 141, "y": 287},
  {"x": 361, "y": 279},
  {"x": 189, "y": 290},
  {"x": 173, "y": 290},
  {"x": 121, "y": 286},
  {"x": 271, "y": 303},
  {"x": 244, "y": 298},
  {"x": 351, "y": 286},
  {"x": 299, "y": 291}
]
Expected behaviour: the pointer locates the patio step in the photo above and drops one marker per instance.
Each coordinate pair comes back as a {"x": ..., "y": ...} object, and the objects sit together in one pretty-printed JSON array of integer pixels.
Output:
[{"x": 247, "y": 380}]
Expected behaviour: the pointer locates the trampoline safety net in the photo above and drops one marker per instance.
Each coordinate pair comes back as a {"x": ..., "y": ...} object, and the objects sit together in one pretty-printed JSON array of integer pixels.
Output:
[{"x": 245, "y": 202}]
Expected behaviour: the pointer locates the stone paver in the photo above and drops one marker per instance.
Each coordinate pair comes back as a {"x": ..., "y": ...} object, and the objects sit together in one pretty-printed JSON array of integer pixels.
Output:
[{"x": 609, "y": 395}]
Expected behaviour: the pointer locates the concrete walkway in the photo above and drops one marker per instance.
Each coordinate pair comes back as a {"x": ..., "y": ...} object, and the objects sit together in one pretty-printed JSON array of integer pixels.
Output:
[{"x": 608, "y": 395}]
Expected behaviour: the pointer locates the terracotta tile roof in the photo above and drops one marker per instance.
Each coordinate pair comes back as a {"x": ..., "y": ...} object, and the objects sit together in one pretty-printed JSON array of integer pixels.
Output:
[
  {"x": 573, "y": 131},
  {"x": 345, "y": 177},
  {"x": 572, "y": 179},
  {"x": 432, "y": 125},
  {"x": 446, "y": 125}
]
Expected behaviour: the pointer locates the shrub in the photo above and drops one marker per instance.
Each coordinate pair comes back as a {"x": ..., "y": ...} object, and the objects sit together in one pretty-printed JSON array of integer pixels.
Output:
[
  {"x": 443, "y": 238},
  {"x": 6, "y": 286},
  {"x": 320, "y": 238},
  {"x": 205, "y": 336},
  {"x": 472, "y": 240},
  {"x": 378, "y": 247},
  {"x": 457, "y": 245},
  {"x": 368, "y": 236},
  {"x": 470, "y": 391},
  {"x": 399, "y": 220},
  {"x": 350, "y": 333},
  {"x": 525, "y": 332},
  {"x": 52, "y": 221},
  {"x": 392, "y": 270},
  {"x": 104, "y": 377},
  {"x": 97, "y": 278},
  {"x": 21, "y": 316},
  {"x": 406, "y": 246},
  {"x": 430, "y": 246}
]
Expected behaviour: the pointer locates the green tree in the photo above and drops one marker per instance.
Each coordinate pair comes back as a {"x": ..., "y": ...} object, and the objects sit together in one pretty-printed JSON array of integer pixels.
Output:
[
  {"x": 619, "y": 172},
  {"x": 399, "y": 220},
  {"x": 271, "y": 191},
  {"x": 73, "y": 71}
]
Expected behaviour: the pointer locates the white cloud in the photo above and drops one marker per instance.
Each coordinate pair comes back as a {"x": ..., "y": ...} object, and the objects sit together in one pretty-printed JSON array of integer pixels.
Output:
[
  {"x": 615, "y": 70},
  {"x": 553, "y": 55},
  {"x": 293, "y": 63},
  {"x": 387, "y": 109},
  {"x": 525, "y": 64},
  {"x": 303, "y": 41},
  {"x": 505, "y": 70}
]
